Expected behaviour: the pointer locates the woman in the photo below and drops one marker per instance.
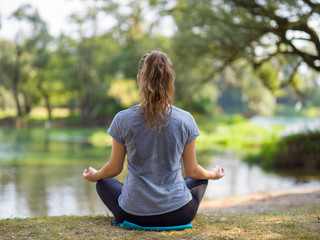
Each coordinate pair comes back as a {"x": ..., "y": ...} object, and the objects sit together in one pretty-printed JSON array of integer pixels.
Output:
[{"x": 154, "y": 135}]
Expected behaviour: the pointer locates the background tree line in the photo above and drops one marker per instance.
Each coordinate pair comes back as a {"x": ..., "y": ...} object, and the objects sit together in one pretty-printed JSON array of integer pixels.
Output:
[{"x": 229, "y": 56}]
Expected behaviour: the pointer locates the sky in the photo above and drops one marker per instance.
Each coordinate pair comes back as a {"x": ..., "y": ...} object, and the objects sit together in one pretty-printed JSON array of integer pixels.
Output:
[{"x": 55, "y": 13}]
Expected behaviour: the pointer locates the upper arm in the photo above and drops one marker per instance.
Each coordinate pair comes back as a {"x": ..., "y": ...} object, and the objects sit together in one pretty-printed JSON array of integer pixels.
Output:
[
  {"x": 118, "y": 154},
  {"x": 189, "y": 157}
]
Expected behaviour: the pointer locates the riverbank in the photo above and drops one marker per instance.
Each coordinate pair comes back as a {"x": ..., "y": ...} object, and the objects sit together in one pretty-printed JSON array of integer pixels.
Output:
[
  {"x": 291, "y": 215},
  {"x": 264, "y": 202}
]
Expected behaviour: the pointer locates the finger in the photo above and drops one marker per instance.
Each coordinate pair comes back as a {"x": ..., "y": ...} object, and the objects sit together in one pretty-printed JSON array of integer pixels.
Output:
[
  {"x": 222, "y": 172},
  {"x": 86, "y": 172}
]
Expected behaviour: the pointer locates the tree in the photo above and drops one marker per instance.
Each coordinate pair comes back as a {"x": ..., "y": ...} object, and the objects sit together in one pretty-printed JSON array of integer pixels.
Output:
[
  {"x": 7, "y": 63},
  {"x": 34, "y": 49},
  {"x": 37, "y": 44},
  {"x": 86, "y": 75},
  {"x": 14, "y": 72},
  {"x": 111, "y": 56},
  {"x": 287, "y": 22},
  {"x": 260, "y": 31}
]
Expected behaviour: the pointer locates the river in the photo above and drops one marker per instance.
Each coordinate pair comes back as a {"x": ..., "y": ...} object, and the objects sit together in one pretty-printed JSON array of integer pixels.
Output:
[{"x": 41, "y": 173}]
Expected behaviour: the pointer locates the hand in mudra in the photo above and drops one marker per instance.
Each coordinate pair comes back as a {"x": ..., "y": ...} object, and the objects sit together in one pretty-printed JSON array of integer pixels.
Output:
[
  {"x": 90, "y": 174},
  {"x": 218, "y": 172}
]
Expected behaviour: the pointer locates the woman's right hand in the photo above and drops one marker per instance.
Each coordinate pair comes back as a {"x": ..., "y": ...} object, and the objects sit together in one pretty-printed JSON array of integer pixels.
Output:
[{"x": 218, "y": 172}]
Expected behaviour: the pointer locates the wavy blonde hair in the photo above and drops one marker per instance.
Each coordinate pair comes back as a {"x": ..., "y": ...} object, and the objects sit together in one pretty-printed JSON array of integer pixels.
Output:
[{"x": 156, "y": 89}]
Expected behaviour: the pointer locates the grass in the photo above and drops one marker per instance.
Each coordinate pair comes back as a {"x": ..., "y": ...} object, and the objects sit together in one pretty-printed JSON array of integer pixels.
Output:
[
  {"x": 305, "y": 111},
  {"x": 301, "y": 223},
  {"x": 38, "y": 113}
]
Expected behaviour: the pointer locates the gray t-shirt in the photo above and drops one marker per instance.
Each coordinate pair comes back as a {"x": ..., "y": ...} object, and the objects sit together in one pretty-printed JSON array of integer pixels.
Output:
[{"x": 154, "y": 183}]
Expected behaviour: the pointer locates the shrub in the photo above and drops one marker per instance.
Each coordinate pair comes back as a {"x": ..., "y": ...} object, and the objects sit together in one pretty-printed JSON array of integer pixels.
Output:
[{"x": 294, "y": 151}]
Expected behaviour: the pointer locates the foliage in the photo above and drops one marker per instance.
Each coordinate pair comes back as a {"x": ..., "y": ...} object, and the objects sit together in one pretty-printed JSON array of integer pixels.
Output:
[
  {"x": 258, "y": 30},
  {"x": 229, "y": 57},
  {"x": 290, "y": 152},
  {"x": 125, "y": 91},
  {"x": 214, "y": 35}
]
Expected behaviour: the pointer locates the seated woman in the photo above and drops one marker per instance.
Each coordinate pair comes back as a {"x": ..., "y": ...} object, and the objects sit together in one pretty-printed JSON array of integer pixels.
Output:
[{"x": 154, "y": 135}]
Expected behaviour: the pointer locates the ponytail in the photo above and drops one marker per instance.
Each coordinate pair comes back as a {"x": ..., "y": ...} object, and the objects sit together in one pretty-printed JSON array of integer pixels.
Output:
[{"x": 156, "y": 89}]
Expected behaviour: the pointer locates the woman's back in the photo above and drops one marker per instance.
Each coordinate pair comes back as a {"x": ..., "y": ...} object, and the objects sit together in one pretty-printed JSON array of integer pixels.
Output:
[{"x": 154, "y": 176}]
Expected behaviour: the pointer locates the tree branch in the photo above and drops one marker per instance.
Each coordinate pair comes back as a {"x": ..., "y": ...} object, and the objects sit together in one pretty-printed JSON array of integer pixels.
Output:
[
  {"x": 309, "y": 59},
  {"x": 303, "y": 39},
  {"x": 290, "y": 79},
  {"x": 315, "y": 7},
  {"x": 305, "y": 28},
  {"x": 284, "y": 25},
  {"x": 257, "y": 64}
]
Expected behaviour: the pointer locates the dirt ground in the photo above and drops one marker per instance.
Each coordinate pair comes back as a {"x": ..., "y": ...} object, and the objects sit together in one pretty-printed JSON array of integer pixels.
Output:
[{"x": 263, "y": 202}]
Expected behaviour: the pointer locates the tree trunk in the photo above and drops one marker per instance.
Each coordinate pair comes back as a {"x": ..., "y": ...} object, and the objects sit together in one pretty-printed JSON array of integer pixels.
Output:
[
  {"x": 27, "y": 106},
  {"x": 48, "y": 106},
  {"x": 46, "y": 97},
  {"x": 3, "y": 101},
  {"x": 85, "y": 107},
  {"x": 15, "y": 81}
]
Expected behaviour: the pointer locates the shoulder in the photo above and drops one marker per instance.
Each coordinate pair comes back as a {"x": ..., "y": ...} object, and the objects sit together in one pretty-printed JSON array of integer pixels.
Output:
[
  {"x": 186, "y": 124},
  {"x": 184, "y": 119},
  {"x": 181, "y": 114},
  {"x": 129, "y": 112},
  {"x": 123, "y": 120}
]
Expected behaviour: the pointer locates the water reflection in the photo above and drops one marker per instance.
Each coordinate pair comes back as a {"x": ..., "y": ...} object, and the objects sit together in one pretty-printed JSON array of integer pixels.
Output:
[
  {"x": 242, "y": 179},
  {"x": 41, "y": 170},
  {"x": 40, "y": 174},
  {"x": 38, "y": 191}
]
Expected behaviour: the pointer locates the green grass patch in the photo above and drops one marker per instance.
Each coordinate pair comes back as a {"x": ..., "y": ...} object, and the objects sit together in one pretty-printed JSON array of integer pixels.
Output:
[
  {"x": 39, "y": 115},
  {"x": 8, "y": 112},
  {"x": 289, "y": 110},
  {"x": 300, "y": 223},
  {"x": 233, "y": 133}
]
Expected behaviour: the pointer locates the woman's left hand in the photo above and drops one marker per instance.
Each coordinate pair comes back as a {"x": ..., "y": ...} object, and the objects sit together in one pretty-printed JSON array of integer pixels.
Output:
[{"x": 90, "y": 174}]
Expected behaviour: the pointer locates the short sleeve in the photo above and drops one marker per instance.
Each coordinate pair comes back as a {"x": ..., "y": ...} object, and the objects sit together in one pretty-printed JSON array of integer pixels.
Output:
[
  {"x": 193, "y": 130},
  {"x": 116, "y": 130}
]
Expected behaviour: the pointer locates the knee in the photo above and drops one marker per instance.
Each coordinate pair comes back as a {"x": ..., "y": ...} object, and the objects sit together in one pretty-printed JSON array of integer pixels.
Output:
[
  {"x": 202, "y": 182},
  {"x": 99, "y": 185},
  {"x": 205, "y": 182}
]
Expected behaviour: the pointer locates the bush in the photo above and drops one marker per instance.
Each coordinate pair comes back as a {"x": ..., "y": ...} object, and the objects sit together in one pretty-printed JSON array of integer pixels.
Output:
[{"x": 295, "y": 151}]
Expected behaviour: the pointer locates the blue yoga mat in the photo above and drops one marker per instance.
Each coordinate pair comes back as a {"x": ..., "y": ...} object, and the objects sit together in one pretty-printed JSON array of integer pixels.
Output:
[{"x": 130, "y": 225}]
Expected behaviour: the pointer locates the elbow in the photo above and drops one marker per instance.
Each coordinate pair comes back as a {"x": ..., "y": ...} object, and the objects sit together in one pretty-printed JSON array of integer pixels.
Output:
[
  {"x": 190, "y": 174},
  {"x": 117, "y": 171}
]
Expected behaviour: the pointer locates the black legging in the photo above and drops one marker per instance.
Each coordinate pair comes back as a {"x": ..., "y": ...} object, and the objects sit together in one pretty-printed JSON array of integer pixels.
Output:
[{"x": 110, "y": 189}]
